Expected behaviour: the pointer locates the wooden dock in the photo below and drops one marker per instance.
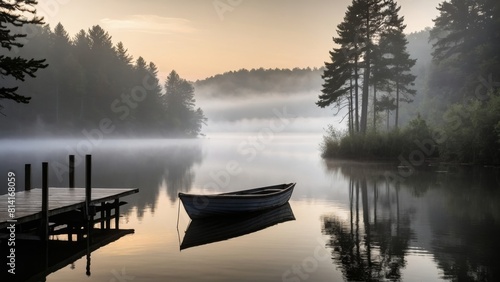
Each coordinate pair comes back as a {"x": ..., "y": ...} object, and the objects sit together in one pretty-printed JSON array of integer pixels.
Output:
[
  {"x": 28, "y": 204},
  {"x": 40, "y": 211}
]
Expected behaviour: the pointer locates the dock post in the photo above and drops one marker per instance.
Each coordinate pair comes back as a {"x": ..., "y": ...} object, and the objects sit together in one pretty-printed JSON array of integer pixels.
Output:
[
  {"x": 27, "y": 177},
  {"x": 117, "y": 214},
  {"x": 45, "y": 202},
  {"x": 71, "y": 171},
  {"x": 103, "y": 215},
  {"x": 88, "y": 189}
]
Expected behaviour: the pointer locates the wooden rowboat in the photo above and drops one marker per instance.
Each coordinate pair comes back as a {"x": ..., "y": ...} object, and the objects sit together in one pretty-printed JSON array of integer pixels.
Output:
[
  {"x": 235, "y": 203},
  {"x": 216, "y": 229}
]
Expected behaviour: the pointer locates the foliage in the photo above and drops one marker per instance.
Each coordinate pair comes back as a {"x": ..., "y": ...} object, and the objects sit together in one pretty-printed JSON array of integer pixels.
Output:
[
  {"x": 460, "y": 87},
  {"x": 180, "y": 103},
  {"x": 466, "y": 44},
  {"x": 472, "y": 132},
  {"x": 375, "y": 145},
  {"x": 258, "y": 81},
  {"x": 370, "y": 42},
  {"x": 399, "y": 77},
  {"x": 13, "y": 14},
  {"x": 464, "y": 79},
  {"x": 387, "y": 104},
  {"x": 91, "y": 80}
]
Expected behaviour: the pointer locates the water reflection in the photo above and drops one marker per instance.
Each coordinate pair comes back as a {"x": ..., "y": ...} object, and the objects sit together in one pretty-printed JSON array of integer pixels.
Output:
[
  {"x": 146, "y": 164},
  {"x": 385, "y": 219},
  {"x": 372, "y": 244},
  {"x": 35, "y": 260},
  {"x": 211, "y": 230}
]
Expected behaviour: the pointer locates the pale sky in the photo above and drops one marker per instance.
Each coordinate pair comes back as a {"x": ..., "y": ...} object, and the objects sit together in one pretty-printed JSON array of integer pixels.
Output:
[{"x": 200, "y": 38}]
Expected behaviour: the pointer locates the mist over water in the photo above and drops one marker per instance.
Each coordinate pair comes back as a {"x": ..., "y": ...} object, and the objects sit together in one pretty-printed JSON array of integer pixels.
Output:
[{"x": 253, "y": 112}]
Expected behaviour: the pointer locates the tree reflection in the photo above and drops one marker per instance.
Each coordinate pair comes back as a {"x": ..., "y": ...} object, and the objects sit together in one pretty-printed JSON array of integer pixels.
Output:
[
  {"x": 458, "y": 222},
  {"x": 145, "y": 164},
  {"x": 151, "y": 169},
  {"x": 466, "y": 242},
  {"x": 371, "y": 245}
]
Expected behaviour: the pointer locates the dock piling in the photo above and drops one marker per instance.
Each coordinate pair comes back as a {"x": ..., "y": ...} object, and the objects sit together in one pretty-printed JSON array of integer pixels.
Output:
[
  {"x": 117, "y": 213},
  {"x": 27, "y": 177},
  {"x": 71, "y": 171},
  {"x": 88, "y": 188},
  {"x": 45, "y": 202}
]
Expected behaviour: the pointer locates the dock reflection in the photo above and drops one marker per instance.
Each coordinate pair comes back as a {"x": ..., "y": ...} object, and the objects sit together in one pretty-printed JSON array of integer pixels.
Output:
[
  {"x": 35, "y": 259},
  {"x": 211, "y": 230}
]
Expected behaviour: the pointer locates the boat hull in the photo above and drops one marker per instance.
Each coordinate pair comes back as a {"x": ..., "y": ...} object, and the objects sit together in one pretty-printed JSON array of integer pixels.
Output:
[{"x": 235, "y": 203}]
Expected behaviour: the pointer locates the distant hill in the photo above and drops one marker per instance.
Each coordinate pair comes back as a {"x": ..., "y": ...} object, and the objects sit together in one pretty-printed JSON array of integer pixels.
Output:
[
  {"x": 261, "y": 81},
  {"x": 254, "y": 93}
]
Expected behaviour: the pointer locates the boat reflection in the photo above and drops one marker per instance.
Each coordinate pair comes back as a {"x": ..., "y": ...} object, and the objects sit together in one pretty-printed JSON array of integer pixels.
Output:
[{"x": 211, "y": 230}]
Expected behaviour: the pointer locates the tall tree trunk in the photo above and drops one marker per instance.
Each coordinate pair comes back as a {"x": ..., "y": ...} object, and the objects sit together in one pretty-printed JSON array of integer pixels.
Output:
[
  {"x": 397, "y": 103},
  {"x": 351, "y": 120},
  {"x": 387, "y": 120},
  {"x": 356, "y": 89},
  {"x": 364, "y": 98},
  {"x": 366, "y": 77},
  {"x": 374, "y": 108}
]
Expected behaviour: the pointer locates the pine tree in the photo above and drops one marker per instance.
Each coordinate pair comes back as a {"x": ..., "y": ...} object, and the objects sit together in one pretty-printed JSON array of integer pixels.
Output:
[
  {"x": 336, "y": 74},
  {"x": 466, "y": 43},
  {"x": 13, "y": 15},
  {"x": 151, "y": 109},
  {"x": 102, "y": 81},
  {"x": 372, "y": 23},
  {"x": 394, "y": 42},
  {"x": 386, "y": 104},
  {"x": 180, "y": 102},
  {"x": 344, "y": 67},
  {"x": 363, "y": 23},
  {"x": 61, "y": 60},
  {"x": 122, "y": 54},
  {"x": 81, "y": 51},
  {"x": 380, "y": 77}
]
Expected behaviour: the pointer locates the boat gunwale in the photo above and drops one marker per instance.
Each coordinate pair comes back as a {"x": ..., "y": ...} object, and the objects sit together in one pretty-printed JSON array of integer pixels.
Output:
[{"x": 229, "y": 195}]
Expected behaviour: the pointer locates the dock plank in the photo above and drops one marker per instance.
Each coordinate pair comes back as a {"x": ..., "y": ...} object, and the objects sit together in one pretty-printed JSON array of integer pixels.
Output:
[{"x": 28, "y": 204}]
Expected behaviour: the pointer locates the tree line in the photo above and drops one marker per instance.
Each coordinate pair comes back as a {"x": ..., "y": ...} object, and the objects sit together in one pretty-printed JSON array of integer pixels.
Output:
[
  {"x": 458, "y": 101},
  {"x": 90, "y": 79},
  {"x": 261, "y": 82}
]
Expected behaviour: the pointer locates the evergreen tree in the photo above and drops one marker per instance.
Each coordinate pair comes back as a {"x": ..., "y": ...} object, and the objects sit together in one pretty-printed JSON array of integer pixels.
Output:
[
  {"x": 393, "y": 42},
  {"x": 102, "y": 82},
  {"x": 386, "y": 104},
  {"x": 359, "y": 36},
  {"x": 81, "y": 41},
  {"x": 151, "y": 111},
  {"x": 180, "y": 102},
  {"x": 13, "y": 14},
  {"x": 380, "y": 77},
  {"x": 344, "y": 66},
  {"x": 81, "y": 51},
  {"x": 122, "y": 54},
  {"x": 372, "y": 23},
  {"x": 466, "y": 43},
  {"x": 91, "y": 80},
  {"x": 62, "y": 62},
  {"x": 335, "y": 76},
  {"x": 154, "y": 81},
  {"x": 158, "y": 102}
]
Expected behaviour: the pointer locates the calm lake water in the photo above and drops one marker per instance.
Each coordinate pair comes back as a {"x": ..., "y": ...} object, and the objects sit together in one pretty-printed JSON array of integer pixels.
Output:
[{"x": 350, "y": 221}]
